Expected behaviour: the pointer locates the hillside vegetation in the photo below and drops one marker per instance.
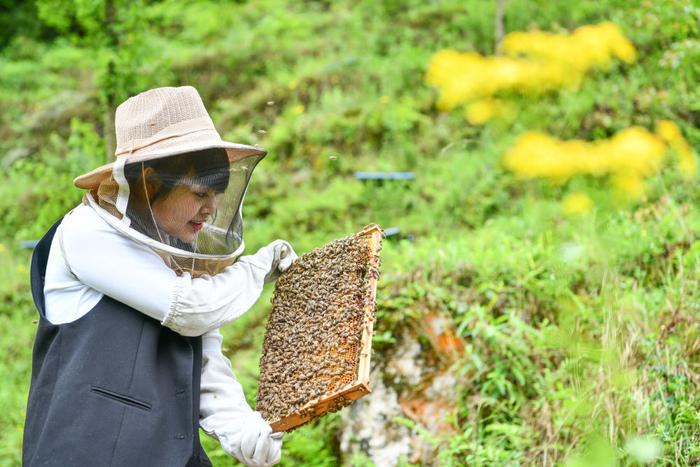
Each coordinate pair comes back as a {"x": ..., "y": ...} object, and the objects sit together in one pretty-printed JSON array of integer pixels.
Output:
[{"x": 574, "y": 332}]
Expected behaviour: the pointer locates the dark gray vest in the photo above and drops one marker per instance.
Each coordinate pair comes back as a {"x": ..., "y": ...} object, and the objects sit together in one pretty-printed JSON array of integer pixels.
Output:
[{"x": 113, "y": 388}]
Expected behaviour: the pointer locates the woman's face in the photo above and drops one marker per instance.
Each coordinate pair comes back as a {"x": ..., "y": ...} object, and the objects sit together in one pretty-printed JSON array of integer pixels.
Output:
[{"x": 183, "y": 212}]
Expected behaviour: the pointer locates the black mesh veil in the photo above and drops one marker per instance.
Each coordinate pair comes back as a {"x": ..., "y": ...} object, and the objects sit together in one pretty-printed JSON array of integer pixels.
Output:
[{"x": 187, "y": 207}]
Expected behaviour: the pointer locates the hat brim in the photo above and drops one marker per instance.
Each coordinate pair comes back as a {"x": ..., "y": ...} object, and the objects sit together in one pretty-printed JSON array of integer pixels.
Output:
[{"x": 235, "y": 151}]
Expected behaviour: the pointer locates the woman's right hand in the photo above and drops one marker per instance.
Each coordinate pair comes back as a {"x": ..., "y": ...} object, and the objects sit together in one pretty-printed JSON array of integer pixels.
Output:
[{"x": 255, "y": 445}]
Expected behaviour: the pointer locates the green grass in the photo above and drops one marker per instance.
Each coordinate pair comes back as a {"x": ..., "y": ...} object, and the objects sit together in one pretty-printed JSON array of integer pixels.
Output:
[{"x": 580, "y": 333}]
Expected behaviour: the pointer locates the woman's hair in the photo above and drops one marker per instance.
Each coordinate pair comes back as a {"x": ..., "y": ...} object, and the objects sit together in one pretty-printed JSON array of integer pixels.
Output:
[{"x": 208, "y": 167}]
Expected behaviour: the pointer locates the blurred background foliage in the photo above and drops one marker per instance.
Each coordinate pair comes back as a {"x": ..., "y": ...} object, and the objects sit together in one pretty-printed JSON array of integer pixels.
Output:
[{"x": 576, "y": 309}]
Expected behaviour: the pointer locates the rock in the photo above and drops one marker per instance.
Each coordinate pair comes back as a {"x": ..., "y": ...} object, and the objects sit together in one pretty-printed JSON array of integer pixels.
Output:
[
  {"x": 413, "y": 387},
  {"x": 368, "y": 427}
]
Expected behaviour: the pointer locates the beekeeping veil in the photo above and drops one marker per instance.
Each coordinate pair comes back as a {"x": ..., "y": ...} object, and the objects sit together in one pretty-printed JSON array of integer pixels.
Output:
[{"x": 175, "y": 185}]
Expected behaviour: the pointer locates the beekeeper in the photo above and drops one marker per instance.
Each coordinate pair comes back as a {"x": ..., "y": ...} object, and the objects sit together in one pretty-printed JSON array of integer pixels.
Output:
[{"x": 132, "y": 287}]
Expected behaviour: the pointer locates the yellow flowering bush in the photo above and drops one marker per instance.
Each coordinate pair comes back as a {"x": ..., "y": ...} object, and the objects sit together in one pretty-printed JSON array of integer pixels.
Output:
[
  {"x": 588, "y": 47},
  {"x": 534, "y": 62},
  {"x": 463, "y": 77},
  {"x": 627, "y": 158}
]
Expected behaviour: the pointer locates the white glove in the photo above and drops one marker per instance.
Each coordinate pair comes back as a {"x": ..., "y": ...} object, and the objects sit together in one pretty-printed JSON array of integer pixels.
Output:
[
  {"x": 253, "y": 443},
  {"x": 280, "y": 255}
]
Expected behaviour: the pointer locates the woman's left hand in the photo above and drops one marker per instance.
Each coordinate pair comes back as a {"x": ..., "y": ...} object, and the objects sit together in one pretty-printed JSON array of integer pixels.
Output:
[{"x": 282, "y": 255}]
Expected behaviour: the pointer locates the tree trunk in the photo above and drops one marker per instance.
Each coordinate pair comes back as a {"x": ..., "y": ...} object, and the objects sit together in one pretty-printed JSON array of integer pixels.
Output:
[
  {"x": 499, "y": 24},
  {"x": 109, "y": 130},
  {"x": 109, "y": 91}
]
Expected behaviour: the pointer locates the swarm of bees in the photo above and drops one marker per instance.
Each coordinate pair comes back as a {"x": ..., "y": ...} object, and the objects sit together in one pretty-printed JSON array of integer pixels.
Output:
[{"x": 320, "y": 329}]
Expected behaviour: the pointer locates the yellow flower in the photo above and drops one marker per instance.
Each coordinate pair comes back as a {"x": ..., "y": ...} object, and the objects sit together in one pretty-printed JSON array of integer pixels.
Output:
[
  {"x": 688, "y": 164},
  {"x": 3, "y": 248},
  {"x": 298, "y": 109},
  {"x": 671, "y": 134},
  {"x": 631, "y": 186},
  {"x": 635, "y": 150},
  {"x": 668, "y": 130},
  {"x": 576, "y": 204},
  {"x": 481, "y": 111},
  {"x": 384, "y": 100}
]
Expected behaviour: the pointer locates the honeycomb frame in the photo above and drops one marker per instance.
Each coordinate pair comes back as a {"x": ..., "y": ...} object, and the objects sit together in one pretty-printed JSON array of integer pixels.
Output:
[{"x": 358, "y": 386}]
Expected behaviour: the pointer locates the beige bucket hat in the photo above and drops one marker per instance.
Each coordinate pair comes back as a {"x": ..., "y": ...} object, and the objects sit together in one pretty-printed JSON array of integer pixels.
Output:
[{"x": 164, "y": 122}]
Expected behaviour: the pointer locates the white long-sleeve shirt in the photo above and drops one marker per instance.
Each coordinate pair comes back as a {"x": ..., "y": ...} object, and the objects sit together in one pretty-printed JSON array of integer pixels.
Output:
[{"x": 89, "y": 259}]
